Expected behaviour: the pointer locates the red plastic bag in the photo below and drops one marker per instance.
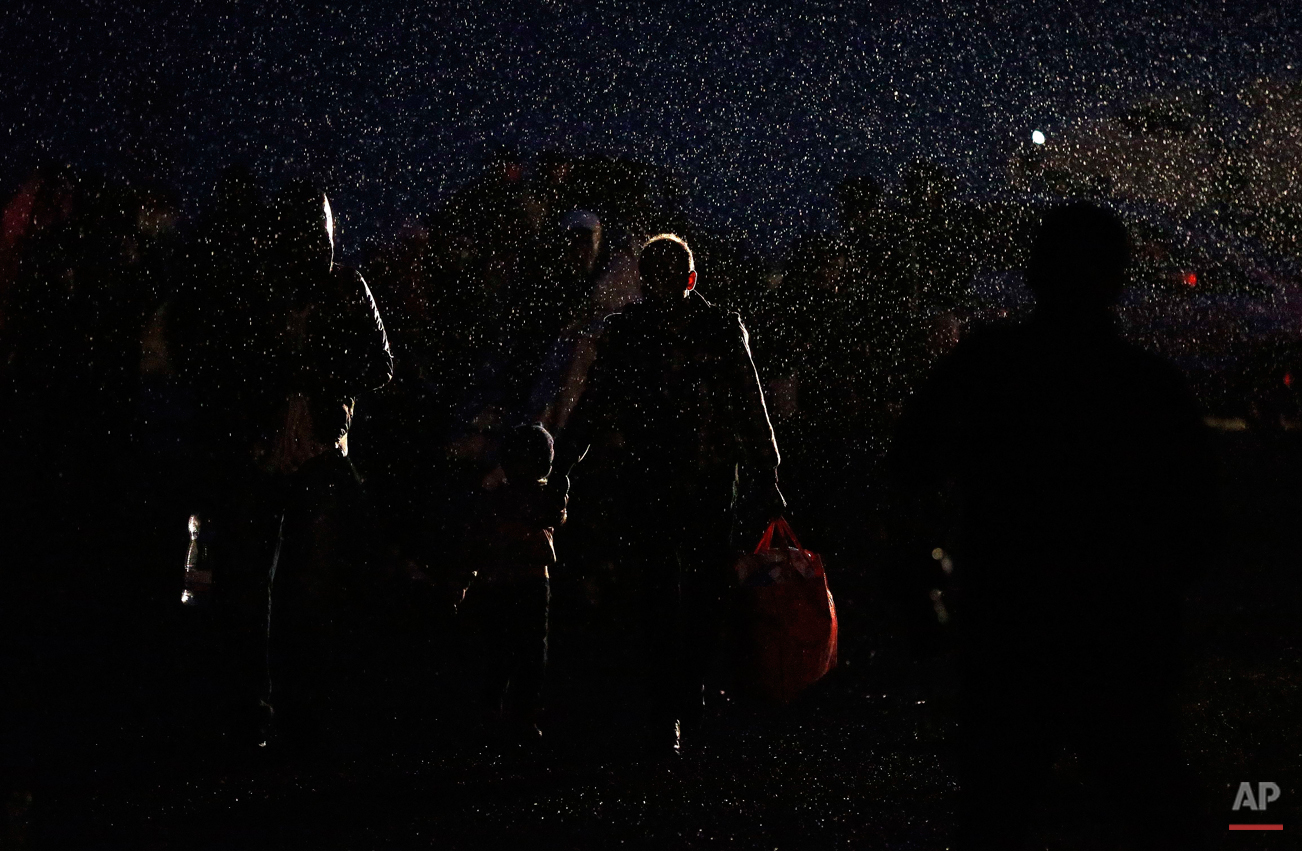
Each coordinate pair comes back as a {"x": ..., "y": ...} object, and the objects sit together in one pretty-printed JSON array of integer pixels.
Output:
[{"x": 787, "y": 618}]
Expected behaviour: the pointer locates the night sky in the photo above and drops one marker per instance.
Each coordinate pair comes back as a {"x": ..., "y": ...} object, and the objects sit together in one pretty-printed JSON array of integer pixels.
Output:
[{"x": 760, "y": 106}]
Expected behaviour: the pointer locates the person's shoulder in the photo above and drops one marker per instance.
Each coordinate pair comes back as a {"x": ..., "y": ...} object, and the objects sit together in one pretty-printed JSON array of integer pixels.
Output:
[
  {"x": 326, "y": 466},
  {"x": 621, "y": 319},
  {"x": 349, "y": 282},
  {"x": 980, "y": 358},
  {"x": 489, "y": 504},
  {"x": 615, "y": 327},
  {"x": 707, "y": 310},
  {"x": 345, "y": 277},
  {"x": 990, "y": 344},
  {"x": 1149, "y": 368},
  {"x": 714, "y": 318}
]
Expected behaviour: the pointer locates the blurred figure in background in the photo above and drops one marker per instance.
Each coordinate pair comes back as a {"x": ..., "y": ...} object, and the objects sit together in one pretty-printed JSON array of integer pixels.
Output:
[
  {"x": 551, "y": 306},
  {"x": 559, "y": 386}
]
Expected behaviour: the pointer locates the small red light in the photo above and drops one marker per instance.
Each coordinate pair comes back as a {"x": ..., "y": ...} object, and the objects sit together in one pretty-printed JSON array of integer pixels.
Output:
[
  {"x": 1288, "y": 379},
  {"x": 1189, "y": 279}
]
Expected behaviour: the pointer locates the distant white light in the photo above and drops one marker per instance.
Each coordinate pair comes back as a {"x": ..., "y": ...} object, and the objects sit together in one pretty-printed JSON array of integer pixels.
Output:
[{"x": 1037, "y": 137}]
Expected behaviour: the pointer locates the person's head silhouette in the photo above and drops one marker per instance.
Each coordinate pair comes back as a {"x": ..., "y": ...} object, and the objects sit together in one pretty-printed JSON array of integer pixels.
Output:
[
  {"x": 303, "y": 230},
  {"x": 667, "y": 268},
  {"x": 1078, "y": 261},
  {"x": 527, "y": 453}
]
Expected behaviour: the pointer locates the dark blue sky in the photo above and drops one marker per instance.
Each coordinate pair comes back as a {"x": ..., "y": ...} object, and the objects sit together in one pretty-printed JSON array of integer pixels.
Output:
[{"x": 761, "y": 106}]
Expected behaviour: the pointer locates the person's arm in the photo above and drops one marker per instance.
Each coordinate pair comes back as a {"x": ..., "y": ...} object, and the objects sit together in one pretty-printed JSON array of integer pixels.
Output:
[
  {"x": 372, "y": 341},
  {"x": 347, "y": 335},
  {"x": 758, "y": 446}
]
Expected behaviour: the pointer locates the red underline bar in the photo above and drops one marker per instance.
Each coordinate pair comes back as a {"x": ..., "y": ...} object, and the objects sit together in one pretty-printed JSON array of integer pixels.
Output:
[{"x": 1256, "y": 827}]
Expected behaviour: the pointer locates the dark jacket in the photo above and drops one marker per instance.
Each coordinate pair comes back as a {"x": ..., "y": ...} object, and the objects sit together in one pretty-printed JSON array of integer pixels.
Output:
[
  {"x": 512, "y": 530},
  {"x": 338, "y": 346},
  {"x": 332, "y": 349},
  {"x": 339, "y": 618},
  {"x": 1086, "y": 486},
  {"x": 680, "y": 406},
  {"x": 324, "y": 582}
]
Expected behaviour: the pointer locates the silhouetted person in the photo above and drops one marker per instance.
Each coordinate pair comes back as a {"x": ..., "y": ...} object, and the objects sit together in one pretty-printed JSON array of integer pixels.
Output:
[
  {"x": 326, "y": 589},
  {"x": 1083, "y": 480},
  {"x": 674, "y": 402},
  {"x": 506, "y": 603},
  {"x": 548, "y": 318},
  {"x": 332, "y": 345}
]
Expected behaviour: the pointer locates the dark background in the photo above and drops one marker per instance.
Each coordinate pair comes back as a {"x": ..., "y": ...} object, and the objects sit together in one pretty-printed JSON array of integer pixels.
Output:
[{"x": 760, "y": 107}]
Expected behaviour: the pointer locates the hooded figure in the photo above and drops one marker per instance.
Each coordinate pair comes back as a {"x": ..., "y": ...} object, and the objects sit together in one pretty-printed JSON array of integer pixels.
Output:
[
  {"x": 333, "y": 346},
  {"x": 327, "y": 593}
]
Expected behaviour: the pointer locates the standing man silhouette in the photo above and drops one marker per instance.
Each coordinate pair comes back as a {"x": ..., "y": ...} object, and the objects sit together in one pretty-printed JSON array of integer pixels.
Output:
[
  {"x": 674, "y": 403},
  {"x": 1084, "y": 484}
]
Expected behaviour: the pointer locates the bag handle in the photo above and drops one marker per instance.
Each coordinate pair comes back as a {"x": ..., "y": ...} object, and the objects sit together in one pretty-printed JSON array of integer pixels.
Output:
[{"x": 782, "y": 529}]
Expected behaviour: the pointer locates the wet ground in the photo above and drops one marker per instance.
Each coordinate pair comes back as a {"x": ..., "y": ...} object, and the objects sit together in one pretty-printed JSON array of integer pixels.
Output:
[{"x": 130, "y": 755}]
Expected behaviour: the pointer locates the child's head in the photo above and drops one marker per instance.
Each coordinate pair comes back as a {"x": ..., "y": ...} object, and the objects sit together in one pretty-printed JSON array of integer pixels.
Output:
[{"x": 527, "y": 453}]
